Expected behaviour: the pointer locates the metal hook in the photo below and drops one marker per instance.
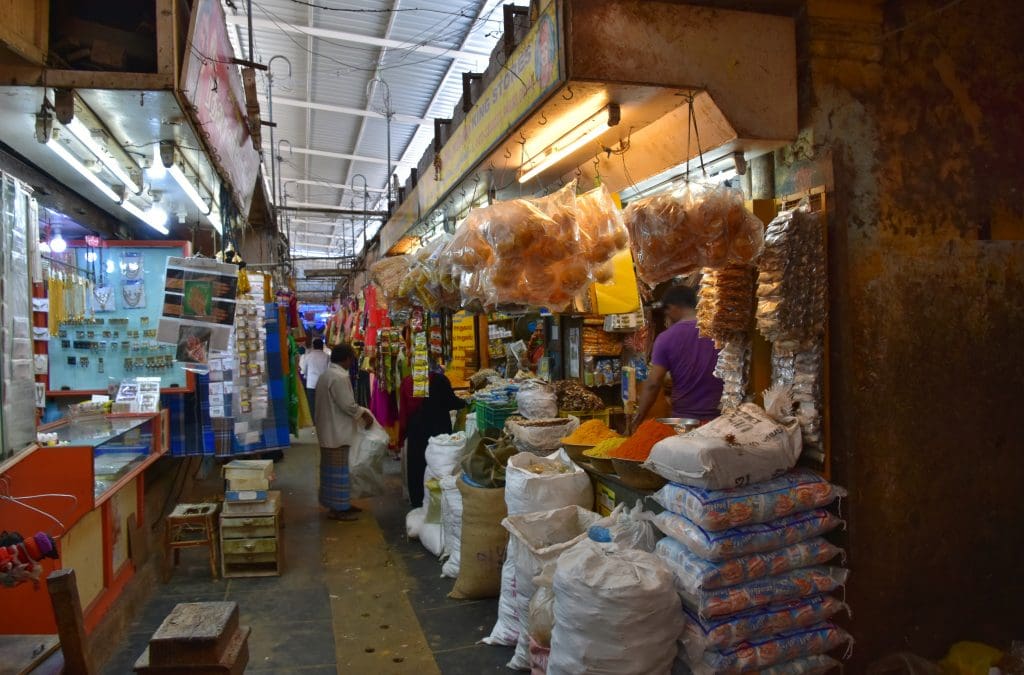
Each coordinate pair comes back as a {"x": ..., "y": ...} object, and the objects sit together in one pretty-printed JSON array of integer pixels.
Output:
[
  {"x": 270, "y": 66},
  {"x": 522, "y": 138},
  {"x": 283, "y": 140},
  {"x": 543, "y": 118},
  {"x": 508, "y": 153},
  {"x": 571, "y": 93}
]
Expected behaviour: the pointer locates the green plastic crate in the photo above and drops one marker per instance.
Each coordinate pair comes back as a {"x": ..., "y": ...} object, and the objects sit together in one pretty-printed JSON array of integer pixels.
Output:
[{"x": 493, "y": 416}]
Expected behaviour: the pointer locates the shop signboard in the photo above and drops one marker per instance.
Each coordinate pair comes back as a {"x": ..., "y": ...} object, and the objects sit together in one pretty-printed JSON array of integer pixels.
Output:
[
  {"x": 212, "y": 86},
  {"x": 533, "y": 71}
]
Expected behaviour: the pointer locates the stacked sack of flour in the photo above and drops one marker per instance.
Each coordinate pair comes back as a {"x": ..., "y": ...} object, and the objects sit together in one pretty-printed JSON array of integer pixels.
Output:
[{"x": 751, "y": 566}]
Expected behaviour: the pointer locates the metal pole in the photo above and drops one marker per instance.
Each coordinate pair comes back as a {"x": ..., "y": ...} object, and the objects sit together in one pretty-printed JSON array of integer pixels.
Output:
[
  {"x": 388, "y": 114},
  {"x": 274, "y": 197},
  {"x": 249, "y": 21},
  {"x": 366, "y": 196}
]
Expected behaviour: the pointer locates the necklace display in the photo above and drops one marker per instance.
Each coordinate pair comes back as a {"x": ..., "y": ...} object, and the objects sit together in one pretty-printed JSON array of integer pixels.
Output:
[
  {"x": 133, "y": 295},
  {"x": 105, "y": 300}
]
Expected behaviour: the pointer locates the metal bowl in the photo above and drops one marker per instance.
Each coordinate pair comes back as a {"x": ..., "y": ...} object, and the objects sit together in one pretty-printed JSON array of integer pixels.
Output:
[
  {"x": 681, "y": 424},
  {"x": 575, "y": 451},
  {"x": 637, "y": 477},
  {"x": 600, "y": 464}
]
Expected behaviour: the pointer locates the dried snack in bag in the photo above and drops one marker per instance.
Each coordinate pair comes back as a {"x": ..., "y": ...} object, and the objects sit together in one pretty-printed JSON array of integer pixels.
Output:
[
  {"x": 602, "y": 230},
  {"x": 468, "y": 250},
  {"x": 677, "y": 233}
]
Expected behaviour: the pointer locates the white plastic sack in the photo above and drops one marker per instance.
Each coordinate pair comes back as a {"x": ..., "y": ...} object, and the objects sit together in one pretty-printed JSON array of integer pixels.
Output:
[
  {"x": 745, "y": 445},
  {"x": 537, "y": 400},
  {"x": 616, "y": 613},
  {"x": 451, "y": 525},
  {"x": 540, "y": 537},
  {"x": 506, "y": 628},
  {"x": 444, "y": 452},
  {"x": 627, "y": 528},
  {"x": 526, "y": 492},
  {"x": 470, "y": 424},
  {"x": 366, "y": 462},
  {"x": 414, "y": 521},
  {"x": 530, "y": 438},
  {"x": 432, "y": 538}
]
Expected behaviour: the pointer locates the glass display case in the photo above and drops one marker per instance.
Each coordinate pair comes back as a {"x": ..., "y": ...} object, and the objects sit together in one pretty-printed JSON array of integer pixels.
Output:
[
  {"x": 89, "y": 494},
  {"x": 120, "y": 445}
]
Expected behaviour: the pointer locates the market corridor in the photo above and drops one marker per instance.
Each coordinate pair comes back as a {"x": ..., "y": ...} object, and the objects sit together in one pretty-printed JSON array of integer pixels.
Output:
[{"x": 354, "y": 597}]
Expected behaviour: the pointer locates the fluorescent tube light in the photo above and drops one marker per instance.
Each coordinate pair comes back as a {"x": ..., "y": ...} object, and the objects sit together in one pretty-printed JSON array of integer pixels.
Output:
[
  {"x": 75, "y": 164},
  {"x": 209, "y": 211},
  {"x": 156, "y": 170},
  {"x": 581, "y": 134},
  {"x": 141, "y": 215},
  {"x": 79, "y": 131}
]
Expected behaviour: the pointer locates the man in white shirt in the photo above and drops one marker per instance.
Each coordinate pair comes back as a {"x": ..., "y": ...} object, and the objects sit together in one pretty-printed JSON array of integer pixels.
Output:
[
  {"x": 337, "y": 422},
  {"x": 315, "y": 365}
]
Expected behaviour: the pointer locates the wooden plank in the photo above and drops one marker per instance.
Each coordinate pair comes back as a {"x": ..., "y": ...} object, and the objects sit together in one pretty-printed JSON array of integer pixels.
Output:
[
  {"x": 33, "y": 76},
  {"x": 67, "y": 608},
  {"x": 20, "y": 654},
  {"x": 232, "y": 661},
  {"x": 25, "y": 29}
]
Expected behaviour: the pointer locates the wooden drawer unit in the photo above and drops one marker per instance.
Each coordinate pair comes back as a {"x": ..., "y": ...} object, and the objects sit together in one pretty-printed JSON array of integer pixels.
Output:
[{"x": 250, "y": 538}]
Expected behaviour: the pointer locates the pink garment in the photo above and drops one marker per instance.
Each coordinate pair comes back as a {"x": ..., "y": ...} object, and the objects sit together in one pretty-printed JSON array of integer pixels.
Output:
[{"x": 382, "y": 403}]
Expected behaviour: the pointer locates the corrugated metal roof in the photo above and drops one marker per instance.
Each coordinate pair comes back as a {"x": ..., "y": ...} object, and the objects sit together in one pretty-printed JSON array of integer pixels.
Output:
[{"x": 336, "y": 48}]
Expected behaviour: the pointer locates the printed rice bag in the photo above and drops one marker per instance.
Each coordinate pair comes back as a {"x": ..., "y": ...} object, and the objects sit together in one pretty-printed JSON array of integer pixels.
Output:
[
  {"x": 738, "y": 541},
  {"x": 760, "y": 654},
  {"x": 801, "y": 583},
  {"x": 713, "y": 510},
  {"x": 819, "y": 664},
  {"x": 758, "y": 623},
  {"x": 694, "y": 574}
]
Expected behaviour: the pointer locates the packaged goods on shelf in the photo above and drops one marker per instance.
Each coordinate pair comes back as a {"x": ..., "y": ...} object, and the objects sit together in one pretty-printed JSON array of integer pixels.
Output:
[
  {"x": 792, "y": 291},
  {"x": 733, "y": 368},
  {"x": 678, "y": 233},
  {"x": 602, "y": 230},
  {"x": 597, "y": 342},
  {"x": 799, "y": 364},
  {"x": 726, "y": 302},
  {"x": 388, "y": 273}
]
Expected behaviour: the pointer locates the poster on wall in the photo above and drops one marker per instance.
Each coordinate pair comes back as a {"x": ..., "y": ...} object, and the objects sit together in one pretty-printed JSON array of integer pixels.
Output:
[{"x": 199, "y": 307}]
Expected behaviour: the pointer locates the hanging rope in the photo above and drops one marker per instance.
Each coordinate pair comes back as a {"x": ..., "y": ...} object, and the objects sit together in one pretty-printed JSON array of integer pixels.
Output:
[{"x": 691, "y": 125}]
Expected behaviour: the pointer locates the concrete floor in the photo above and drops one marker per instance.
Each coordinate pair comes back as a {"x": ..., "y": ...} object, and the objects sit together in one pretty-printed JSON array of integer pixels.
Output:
[{"x": 354, "y": 598}]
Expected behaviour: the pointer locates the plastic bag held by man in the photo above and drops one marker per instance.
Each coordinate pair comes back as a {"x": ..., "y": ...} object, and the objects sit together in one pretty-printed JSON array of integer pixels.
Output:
[
  {"x": 745, "y": 445},
  {"x": 366, "y": 462}
]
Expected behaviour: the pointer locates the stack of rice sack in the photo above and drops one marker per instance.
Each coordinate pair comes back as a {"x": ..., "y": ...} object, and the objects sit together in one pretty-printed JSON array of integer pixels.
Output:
[
  {"x": 751, "y": 566},
  {"x": 792, "y": 307}
]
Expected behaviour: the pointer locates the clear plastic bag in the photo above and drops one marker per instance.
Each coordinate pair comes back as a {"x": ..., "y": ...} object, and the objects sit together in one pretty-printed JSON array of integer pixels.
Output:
[
  {"x": 677, "y": 233},
  {"x": 602, "y": 230}
]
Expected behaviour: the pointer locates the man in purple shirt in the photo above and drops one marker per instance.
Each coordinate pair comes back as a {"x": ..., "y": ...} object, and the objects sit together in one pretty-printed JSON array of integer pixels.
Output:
[{"x": 688, "y": 357}]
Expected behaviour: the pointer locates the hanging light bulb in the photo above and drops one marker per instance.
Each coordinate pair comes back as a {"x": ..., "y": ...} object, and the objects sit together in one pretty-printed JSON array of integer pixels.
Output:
[
  {"x": 44, "y": 247},
  {"x": 110, "y": 266},
  {"x": 57, "y": 243},
  {"x": 90, "y": 256}
]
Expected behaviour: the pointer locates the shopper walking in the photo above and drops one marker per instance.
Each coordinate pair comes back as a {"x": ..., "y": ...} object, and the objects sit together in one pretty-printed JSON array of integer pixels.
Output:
[
  {"x": 313, "y": 366},
  {"x": 421, "y": 418},
  {"x": 337, "y": 415}
]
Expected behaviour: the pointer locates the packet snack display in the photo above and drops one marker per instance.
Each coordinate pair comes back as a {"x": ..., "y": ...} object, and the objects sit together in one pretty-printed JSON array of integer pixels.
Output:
[
  {"x": 725, "y": 305},
  {"x": 602, "y": 230},
  {"x": 733, "y": 368}
]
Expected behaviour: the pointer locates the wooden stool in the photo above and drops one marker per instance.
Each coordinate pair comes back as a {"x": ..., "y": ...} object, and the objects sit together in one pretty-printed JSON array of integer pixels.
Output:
[
  {"x": 191, "y": 525},
  {"x": 197, "y": 638}
]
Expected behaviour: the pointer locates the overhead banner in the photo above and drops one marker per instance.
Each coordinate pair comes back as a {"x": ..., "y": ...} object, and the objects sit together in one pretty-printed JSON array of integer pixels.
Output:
[{"x": 212, "y": 84}]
